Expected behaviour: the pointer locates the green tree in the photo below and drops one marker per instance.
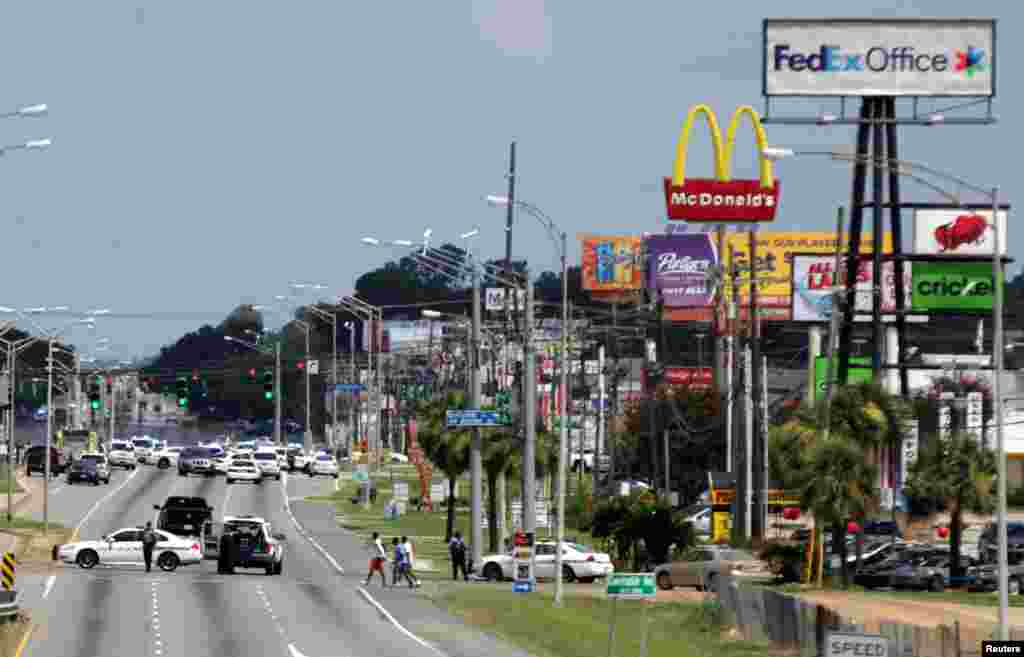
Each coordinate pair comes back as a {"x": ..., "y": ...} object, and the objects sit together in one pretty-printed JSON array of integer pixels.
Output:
[
  {"x": 447, "y": 449},
  {"x": 960, "y": 471}
]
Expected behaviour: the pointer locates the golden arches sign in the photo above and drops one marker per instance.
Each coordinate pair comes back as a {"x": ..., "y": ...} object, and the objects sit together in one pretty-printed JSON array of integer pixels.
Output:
[{"x": 721, "y": 199}]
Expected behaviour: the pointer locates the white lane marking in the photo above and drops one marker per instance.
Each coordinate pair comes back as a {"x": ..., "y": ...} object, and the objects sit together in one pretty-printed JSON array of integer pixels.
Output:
[
  {"x": 391, "y": 619},
  {"x": 369, "y": 598},
  {"x": 49, "y": 585},
  {"x": 227, "y": 496},
  {"x": 293, "y": 651},
  {"x": 98, "y": 504}
]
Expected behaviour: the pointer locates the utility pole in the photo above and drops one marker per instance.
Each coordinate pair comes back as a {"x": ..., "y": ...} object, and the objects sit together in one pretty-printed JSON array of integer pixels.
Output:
[
  {"x": 12, "y": 359},
  {"x": 309, "y": 429},
  {"x": 476, "y": 446},
  {"x": 600, "y": 439},
  {"x": 49, "y": 437},
  {"x": 838, "y": 283},
  {"x": 278, "y": 437},
  {"x": 757, "y": 452},
  {"x": 113, "y": 407},
  {"x": 530, "y": 419},
  {"x": 563, "y": 428}
]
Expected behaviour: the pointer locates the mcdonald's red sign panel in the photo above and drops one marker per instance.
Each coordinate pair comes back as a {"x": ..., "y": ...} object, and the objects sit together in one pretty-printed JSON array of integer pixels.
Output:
[{"x": 721, "y": 199}]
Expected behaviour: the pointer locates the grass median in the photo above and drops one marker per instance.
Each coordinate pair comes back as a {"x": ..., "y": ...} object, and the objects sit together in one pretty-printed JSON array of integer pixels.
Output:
[
  {"x": 425, "y": 529},
  {"x": 579, "y": 628}
]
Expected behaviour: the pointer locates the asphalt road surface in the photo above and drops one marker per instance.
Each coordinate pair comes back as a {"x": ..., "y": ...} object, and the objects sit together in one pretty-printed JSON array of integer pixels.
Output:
[{"x": 310, "y": 610}]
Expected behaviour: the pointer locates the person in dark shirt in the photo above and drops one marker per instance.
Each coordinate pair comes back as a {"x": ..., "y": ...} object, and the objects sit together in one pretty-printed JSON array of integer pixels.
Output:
[{"x": 148, "y": 544}]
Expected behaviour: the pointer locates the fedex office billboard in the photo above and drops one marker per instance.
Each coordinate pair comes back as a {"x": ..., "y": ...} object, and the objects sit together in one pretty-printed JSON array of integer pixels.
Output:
[{"x": 884, "y": 57}]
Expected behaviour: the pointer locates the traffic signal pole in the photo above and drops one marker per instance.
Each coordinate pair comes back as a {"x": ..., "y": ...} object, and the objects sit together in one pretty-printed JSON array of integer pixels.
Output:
[
  {"x": 476, "y": 446},
  {"x": 49, "y": 437},
  {"x": 278, "y": 438}
]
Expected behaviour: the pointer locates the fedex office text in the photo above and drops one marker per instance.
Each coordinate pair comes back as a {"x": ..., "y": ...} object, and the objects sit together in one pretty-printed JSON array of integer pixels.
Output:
[{"x": 830, "y": 58}]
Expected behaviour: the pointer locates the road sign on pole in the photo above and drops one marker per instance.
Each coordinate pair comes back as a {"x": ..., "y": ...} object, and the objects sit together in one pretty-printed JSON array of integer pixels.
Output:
[
  {"x": 631, "y": 586},
  {"x": 473, "y": 419}
]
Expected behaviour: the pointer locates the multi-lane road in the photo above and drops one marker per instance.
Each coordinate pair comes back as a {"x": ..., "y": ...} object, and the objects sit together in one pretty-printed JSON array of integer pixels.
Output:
[{"x": 311, "y": 609}]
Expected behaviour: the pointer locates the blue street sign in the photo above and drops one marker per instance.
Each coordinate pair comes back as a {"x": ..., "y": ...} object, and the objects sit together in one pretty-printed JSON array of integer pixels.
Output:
[
  {"x": 473, "y": 419},
  {"x": 349, "y": 387}
]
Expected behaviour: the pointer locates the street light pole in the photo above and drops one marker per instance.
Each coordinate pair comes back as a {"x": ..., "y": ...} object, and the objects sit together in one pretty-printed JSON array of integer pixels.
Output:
[
  {"x": 529, "y": 421},
  {"x": 476, "y": 446},
  {"x": 278, "y": 436},
  {"x": 997, "y": 408},
  {"x": 309, "y": 430},
  {"x": 563, "y": 429},
  {"x": 49, "y": 434}
]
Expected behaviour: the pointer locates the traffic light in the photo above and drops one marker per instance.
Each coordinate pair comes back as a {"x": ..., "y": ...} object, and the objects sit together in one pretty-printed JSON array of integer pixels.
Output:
[
  {"x": 302, "y": 365},
  {"x": 268, "y": 385},
  {"x": 110, "y": 385},
  {"x": 94, "y": 396},
  {"x": 252, "y": 375},
  {"x": 182, "y": 387}
]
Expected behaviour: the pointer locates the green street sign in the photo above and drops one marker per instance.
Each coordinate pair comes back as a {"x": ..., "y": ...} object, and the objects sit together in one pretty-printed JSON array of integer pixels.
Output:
[
  {"x": 955, "y": 286},
  {"x": 631, "y": 586},
  {"x": 860, "y": 372}
]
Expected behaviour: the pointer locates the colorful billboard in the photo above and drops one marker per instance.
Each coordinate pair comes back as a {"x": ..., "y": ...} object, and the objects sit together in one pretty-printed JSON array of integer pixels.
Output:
[
  {"x": 953, "y": 286},
  {"x": 721, "y": 199},
  {"x": 957, "y": 232},
  {"x": 879, "y": 57},
  {"x": 814, "y": 275},
  {"x": 775, "y": 252},
  {"x": 859, "y": 372},
  {"x": 612, "y": 263},
  {"x": 678, "y": 267}
]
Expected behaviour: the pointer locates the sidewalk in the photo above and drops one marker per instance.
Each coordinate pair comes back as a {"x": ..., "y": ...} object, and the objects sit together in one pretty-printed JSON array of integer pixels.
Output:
[
  {"x": 19, "y": 502},
  {"x": 415, "y": 609}
]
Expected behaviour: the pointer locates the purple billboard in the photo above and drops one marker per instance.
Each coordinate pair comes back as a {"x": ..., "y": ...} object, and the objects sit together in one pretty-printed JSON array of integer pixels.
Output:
[{"x": 677, "y": 266}]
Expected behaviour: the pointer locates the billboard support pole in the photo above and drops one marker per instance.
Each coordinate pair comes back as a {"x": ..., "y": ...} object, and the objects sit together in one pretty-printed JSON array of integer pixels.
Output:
[
  {"x": 896, "y": 224},
  {"x": 838, "y": 301},
  {"x": 877, "y": 216},
  {"x": 856, "y": 224},
  {"x": 721, "y": 350}
]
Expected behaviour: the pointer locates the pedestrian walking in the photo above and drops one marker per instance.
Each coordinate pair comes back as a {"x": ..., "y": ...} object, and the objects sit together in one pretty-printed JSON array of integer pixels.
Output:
[
  {"x": 226, "y": 554},
  {"x": 457, "y": 549},
  {"x": 148, "y": 543},
  {"x": 401, "y": 568},
  {"x": 410, "y": 559},
  {"x": 377, "y": 560}
]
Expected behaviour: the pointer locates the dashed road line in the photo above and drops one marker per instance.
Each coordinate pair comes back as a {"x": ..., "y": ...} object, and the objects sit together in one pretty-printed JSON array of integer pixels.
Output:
[
  {"x": 50, "y": 581},
  {"x": 158, "y": 642},
  {"x": 369, "y": 598}
]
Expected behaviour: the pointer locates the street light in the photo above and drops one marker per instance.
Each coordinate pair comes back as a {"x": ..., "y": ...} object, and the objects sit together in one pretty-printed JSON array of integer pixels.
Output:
[
  {"x": 553, "y": 231},
  {"x": 910, "y": 169}
]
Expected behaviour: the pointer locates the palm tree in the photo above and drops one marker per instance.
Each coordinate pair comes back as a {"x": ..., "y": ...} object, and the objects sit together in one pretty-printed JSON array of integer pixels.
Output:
[
  {"x": 447, "y": 449},
  {"x": 960, "y": 471},
  {"x": 500, "y": 456},
  {"x": 861, "y": 417}
]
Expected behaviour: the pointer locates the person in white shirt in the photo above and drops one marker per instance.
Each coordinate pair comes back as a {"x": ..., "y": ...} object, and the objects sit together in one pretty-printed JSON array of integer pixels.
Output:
[
  {"x": 410, "y": 559},
  {"x": 377, "y": 561}
]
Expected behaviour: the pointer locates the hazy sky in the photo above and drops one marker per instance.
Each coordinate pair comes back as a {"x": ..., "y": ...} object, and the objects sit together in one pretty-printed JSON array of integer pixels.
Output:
[{"x": 206, "y": 154}]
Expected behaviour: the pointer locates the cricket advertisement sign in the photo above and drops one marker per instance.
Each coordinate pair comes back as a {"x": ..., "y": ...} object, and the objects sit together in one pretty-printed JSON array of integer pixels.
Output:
[
  {"x": 953, "y": 286},
  {"x": 678, "y": 268},
  {"x": 879, "y": 57},
  {"x": 955, "y": 232}
]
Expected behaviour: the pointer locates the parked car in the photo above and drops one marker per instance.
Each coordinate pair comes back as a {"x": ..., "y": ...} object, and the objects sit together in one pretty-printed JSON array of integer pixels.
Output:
[
  {"x": 988, "y": 540},
  {"x": 183, "y": 516},
  {"x": 257, "y": 545},
  {"x": 985, "y": 576},
  {"x": 122, "y": 454},
  {"x": 35, "y": 461},
  {"x": 168, "y": 457},
  {"x": 102, "y": 466},
  {"x": 881, "y": 528},
  {"x": 705, "y": 567},
  {"x": 878, "y": 574},
  {"x": 124, "y": 547},
  {"x": 195, "y": 460},
  {"x": 579, "y": 563},
  {"x": 84, "y": 471}
]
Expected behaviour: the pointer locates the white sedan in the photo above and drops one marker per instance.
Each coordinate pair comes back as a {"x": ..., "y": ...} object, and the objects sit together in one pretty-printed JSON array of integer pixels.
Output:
[
  {"x": 242, "y": 470},
  {"x": 220, "y": 464},
  {"x": 323, "y": 464},
  {"x": 168, "y": 457},
  {"x": 579, "y": 562},
  {"x": 124, "y": 548}
]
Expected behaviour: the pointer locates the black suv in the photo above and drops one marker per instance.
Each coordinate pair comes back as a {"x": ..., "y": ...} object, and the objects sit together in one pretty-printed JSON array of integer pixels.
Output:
[
  {"x": 195, "y": 460},
  {"x": 988, "y": 542},
  {"x": 183, "y": 516},
  {"x": 35, "y": 461}
]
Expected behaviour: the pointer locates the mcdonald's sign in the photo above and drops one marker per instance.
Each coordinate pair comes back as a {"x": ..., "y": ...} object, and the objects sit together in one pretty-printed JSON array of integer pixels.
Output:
[{"x": 721, "y": 199}]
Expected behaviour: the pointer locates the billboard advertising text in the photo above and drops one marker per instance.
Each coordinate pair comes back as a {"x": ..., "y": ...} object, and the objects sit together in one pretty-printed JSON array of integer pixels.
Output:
[
  {"x": 721, "y": 199},
  {"x": 859, "y": 372},
  {"x": 957, "y": 232},
  {"x": 775, "y": 252},
  {"x": 814, "y": 275},
  {"x": 885, "y": 57},
  {"x": 612, "y": 263},
  {"x": 953, "y": 286},
  {"x": 678, "y": 265}
]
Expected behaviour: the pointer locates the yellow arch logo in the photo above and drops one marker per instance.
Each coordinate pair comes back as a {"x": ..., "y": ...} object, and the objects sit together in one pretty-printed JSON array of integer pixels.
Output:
[{"x": 721, "y": 199}]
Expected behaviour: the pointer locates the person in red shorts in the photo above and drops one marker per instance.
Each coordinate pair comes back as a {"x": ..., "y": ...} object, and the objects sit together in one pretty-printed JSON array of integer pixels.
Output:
[{"x": 377, "y": 561}]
